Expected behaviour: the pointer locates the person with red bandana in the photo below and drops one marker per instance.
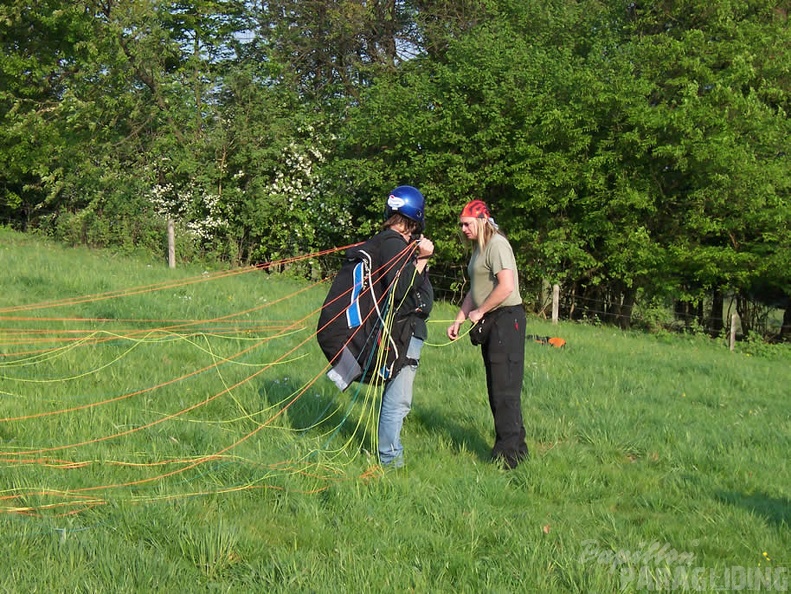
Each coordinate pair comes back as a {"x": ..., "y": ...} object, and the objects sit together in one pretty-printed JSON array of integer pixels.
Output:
[{"x": 494, "y": 306}]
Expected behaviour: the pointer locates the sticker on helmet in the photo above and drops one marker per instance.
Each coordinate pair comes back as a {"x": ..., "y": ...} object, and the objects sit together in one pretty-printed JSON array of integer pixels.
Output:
[{"x": 395, "y": 202}]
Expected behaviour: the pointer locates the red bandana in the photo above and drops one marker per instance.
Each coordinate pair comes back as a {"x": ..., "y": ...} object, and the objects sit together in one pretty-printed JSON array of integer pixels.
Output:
[{"x": 476, "y": 209}]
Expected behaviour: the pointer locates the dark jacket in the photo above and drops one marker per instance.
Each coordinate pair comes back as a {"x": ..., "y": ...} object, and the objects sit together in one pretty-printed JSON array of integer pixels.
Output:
[
  {"x": 350, "y": 327},
  {"x": 414, "y": 295}
]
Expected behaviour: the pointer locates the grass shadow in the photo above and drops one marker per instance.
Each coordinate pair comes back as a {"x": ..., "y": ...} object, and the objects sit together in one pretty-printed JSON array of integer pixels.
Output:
[
  {"x": 320, "y": 410},
  {"x": 437, "y": 421},
  {"x": 776, "y": 510}
]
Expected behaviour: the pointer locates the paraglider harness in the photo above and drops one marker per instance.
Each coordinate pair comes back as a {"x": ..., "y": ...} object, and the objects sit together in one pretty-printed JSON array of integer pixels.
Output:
[{"x": 356, "y": 329}]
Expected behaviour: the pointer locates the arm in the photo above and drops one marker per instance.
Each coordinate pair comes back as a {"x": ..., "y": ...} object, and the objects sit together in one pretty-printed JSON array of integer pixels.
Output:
[{"x": 466, "y": 307}]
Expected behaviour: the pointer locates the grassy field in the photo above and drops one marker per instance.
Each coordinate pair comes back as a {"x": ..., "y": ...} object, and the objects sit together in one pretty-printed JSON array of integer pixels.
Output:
[{"x": 173, "y": 431}]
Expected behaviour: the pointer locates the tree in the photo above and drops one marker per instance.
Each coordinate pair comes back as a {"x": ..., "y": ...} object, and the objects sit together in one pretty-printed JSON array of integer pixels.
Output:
[
  {"x": 623, "y": 157},
  {"x": 716, "y": 116},
  {"x": 40, "y": 48},
  {"x": 330, "y": 48},
  {"x": 632, "y": 152}
]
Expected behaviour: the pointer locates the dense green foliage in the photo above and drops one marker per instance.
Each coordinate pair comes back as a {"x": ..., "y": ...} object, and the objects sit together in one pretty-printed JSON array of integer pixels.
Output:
[
  {"x": 649, "y": 453},
  {"x": 635, "y": 153}
]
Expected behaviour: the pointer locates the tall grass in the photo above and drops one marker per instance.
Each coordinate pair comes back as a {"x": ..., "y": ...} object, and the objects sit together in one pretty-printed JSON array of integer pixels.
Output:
[{"x": 173, "y": 431}]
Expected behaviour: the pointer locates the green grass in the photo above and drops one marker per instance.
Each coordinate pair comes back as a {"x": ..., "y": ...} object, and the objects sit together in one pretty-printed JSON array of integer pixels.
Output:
[{"x": 185, "y": 439}]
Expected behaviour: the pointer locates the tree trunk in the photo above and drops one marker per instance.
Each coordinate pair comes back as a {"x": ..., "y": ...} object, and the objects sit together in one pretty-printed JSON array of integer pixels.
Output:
[
  {"x": 715, "y": 324},
  {"x": 681, "y": 312},
  {"x": 627, "y": 305},
  {"x": 745, "y": 318},
  {"x": 785, "y": 329}
]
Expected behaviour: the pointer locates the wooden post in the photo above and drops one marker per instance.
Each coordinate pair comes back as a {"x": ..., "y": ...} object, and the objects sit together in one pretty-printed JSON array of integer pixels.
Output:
[
  {"x": 733, "y": 331},
  {"x": 171, "y": 244},
  {"x": 555, "y": 303}
]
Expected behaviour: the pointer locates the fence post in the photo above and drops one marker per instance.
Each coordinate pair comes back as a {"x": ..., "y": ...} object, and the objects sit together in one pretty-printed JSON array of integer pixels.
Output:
[
  {"x": 555, "y": 303},
  {"x": 733, "y": 331},
  {"x": 171, "y": 244}
]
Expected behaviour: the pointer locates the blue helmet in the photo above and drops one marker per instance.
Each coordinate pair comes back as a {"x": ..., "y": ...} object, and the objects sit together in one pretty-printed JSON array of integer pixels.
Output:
[{"x": 409, "y": 202}]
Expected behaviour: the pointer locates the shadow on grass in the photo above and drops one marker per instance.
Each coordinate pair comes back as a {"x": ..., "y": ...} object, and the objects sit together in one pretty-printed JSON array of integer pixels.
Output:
[
  {"x": 317, "y": 411},
  {"x": 437, "y": 421},
  {"x": 774, "y": 509},
  {"x": 339, "y": 415}
]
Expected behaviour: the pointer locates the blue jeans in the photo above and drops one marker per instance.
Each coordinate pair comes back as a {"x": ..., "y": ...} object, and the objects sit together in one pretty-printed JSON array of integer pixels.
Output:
[{"x": 396, "y": 403}]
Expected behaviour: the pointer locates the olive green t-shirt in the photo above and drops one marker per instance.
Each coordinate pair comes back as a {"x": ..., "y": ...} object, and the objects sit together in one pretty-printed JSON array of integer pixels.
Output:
[{"x": 483, "y": 269}]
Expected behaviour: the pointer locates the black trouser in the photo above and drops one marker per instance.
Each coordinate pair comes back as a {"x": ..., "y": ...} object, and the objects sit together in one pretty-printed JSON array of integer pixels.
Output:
[{"x": 504, "y": 358}]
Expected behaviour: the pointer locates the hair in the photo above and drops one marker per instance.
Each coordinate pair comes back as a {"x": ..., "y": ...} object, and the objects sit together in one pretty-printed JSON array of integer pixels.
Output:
[
  {"x": 399, "y": 220},
  {"x": 486, "y": 230}
]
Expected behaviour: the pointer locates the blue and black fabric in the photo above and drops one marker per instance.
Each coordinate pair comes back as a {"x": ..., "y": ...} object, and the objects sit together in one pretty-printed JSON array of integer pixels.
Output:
[{"x": 374, "y": 277}]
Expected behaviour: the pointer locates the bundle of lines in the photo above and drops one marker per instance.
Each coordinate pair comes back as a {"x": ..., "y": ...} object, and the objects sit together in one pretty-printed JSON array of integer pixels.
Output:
[{"x": 97, "y": 409}]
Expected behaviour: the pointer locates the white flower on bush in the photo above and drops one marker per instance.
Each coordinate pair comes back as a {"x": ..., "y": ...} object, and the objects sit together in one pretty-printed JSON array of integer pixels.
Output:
[
  {"x": 166, "y": 201},
  {"x": 208, "y": 217},
  {"x": 201, "y": 212}
]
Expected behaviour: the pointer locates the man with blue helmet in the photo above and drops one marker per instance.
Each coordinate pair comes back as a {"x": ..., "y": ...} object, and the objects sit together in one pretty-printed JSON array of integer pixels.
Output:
[
  {"x": 414, "y": 297},
  {"x": 373, "y": 321}
]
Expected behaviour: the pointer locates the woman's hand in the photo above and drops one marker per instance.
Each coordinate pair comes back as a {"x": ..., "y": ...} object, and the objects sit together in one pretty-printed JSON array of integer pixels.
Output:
[
  {"x": 476, "y": 315},
  {"x": 466, "y": 305}
]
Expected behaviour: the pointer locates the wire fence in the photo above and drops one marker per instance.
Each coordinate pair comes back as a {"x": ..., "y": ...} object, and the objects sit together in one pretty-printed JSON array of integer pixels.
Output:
[
  {"x": 739, "y": 315},
  {"x": 735, "y": 315}
]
